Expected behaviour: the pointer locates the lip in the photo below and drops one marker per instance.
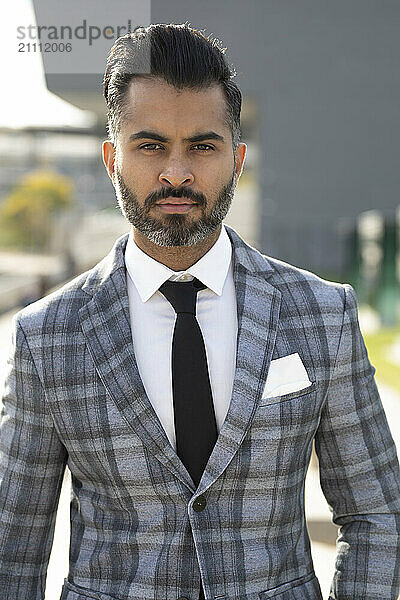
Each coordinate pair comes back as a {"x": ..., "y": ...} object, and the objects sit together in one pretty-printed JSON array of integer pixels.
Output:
[
  {"x": 171, "y": 200},
  {"x": 176, "y": 205},
  {"x": 180, "y": 207}
]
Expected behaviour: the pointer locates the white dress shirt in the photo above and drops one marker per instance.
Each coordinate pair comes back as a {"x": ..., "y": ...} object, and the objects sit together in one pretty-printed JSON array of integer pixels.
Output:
[{"x": 153, "y": 319}]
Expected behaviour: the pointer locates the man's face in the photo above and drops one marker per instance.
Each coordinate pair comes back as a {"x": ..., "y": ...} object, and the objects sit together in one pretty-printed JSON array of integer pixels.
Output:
[{"x": 174, "y": 169}]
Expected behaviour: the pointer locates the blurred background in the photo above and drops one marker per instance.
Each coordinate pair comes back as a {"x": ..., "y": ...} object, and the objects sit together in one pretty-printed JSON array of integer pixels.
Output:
[{"x": 320, "y": 187}]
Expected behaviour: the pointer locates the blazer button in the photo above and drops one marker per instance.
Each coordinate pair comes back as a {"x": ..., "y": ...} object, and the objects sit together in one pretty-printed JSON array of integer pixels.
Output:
[{"x": 199, "y": 504}]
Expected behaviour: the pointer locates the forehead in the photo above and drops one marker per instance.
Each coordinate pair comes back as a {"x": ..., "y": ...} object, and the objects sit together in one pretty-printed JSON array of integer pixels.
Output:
[{"x": 155, "y": 104}]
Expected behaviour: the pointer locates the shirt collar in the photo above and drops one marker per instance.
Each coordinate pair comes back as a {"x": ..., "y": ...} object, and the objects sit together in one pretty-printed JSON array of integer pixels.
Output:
[{"x": 148, "y": 274}]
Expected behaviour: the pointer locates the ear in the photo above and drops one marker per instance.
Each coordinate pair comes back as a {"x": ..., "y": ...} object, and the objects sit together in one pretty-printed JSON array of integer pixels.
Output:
[
  {"x": 240, "y": 155},
  {"x": 108, "y": 153}
]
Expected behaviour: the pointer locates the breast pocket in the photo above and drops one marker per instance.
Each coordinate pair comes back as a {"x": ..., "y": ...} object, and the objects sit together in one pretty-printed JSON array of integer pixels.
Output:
[
  {"x": 283, "y": 424},
  {"x": 282, "y": 398}
]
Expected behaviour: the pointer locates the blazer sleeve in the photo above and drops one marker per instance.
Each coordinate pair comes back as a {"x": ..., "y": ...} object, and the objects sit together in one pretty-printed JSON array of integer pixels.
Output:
[
  {"x": 32, "y": 464},
  {"x": 359, "y": 472}
]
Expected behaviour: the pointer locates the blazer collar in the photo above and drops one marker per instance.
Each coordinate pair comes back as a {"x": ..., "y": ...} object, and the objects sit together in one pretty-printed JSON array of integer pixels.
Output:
[{"x": 244, "y": 256}]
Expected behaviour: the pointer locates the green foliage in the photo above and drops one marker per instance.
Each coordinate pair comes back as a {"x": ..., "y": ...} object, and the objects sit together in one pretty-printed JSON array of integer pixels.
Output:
[
  {"x": 27, "y": 213},
  {"x": 379, "y": 346}
]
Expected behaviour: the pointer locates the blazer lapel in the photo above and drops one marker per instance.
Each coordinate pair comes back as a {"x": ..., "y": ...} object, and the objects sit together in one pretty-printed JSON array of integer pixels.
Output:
[
  {"x": 105, "y": 323},
  {"x": 258, "y": 305}
]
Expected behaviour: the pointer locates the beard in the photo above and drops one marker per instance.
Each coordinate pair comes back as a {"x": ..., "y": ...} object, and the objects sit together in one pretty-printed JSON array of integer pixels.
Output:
[{"x": 173, "y": 229}]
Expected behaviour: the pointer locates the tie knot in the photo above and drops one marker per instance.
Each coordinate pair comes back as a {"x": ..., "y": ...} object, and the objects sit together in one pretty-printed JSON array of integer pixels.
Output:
[{"x": 182, "y": 295}]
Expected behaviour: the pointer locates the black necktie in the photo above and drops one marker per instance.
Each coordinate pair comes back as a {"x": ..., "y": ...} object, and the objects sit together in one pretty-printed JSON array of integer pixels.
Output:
[{"x": 195, "y": 425}]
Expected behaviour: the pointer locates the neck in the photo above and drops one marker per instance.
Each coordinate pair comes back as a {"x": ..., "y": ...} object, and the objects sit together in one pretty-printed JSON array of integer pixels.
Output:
[{"x": 177, "y": 258}]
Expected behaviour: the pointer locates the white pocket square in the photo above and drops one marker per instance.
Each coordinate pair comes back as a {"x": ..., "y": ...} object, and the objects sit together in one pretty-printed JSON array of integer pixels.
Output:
[{"x": 286, "y": 375}]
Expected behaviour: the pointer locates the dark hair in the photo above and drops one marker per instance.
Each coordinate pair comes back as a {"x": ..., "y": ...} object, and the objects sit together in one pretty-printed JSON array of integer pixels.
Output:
[{"x": 179, "y": 54}]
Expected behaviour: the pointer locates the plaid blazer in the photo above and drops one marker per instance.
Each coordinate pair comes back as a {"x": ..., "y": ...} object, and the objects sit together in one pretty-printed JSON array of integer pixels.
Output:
[{"x": 140, "y": 530}]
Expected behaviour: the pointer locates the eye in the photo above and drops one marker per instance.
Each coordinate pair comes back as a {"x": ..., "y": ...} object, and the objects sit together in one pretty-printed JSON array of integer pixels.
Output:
[
  {"x": 150, "y": 147},
  {"x": 203, "y": 147}
]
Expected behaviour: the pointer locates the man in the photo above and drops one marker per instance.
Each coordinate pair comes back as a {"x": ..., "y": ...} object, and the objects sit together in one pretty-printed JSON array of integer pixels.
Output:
[{"x": 185, "y": 377}]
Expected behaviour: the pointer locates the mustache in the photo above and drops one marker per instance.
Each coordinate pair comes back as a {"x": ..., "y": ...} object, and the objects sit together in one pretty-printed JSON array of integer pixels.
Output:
[{"x": 182, "y": 192}]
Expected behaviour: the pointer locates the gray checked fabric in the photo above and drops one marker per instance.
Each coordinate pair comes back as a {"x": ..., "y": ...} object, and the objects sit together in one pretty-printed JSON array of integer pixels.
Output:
[{"x": 139, "y": 528}]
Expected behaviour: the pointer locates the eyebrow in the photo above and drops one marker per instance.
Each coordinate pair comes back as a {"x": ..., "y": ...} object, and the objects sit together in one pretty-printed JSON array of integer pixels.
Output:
[{"x": 197, "y": 137}]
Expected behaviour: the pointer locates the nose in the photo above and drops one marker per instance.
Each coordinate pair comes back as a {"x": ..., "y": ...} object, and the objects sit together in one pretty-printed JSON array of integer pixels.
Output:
[{"x": 176, "y": 173}]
